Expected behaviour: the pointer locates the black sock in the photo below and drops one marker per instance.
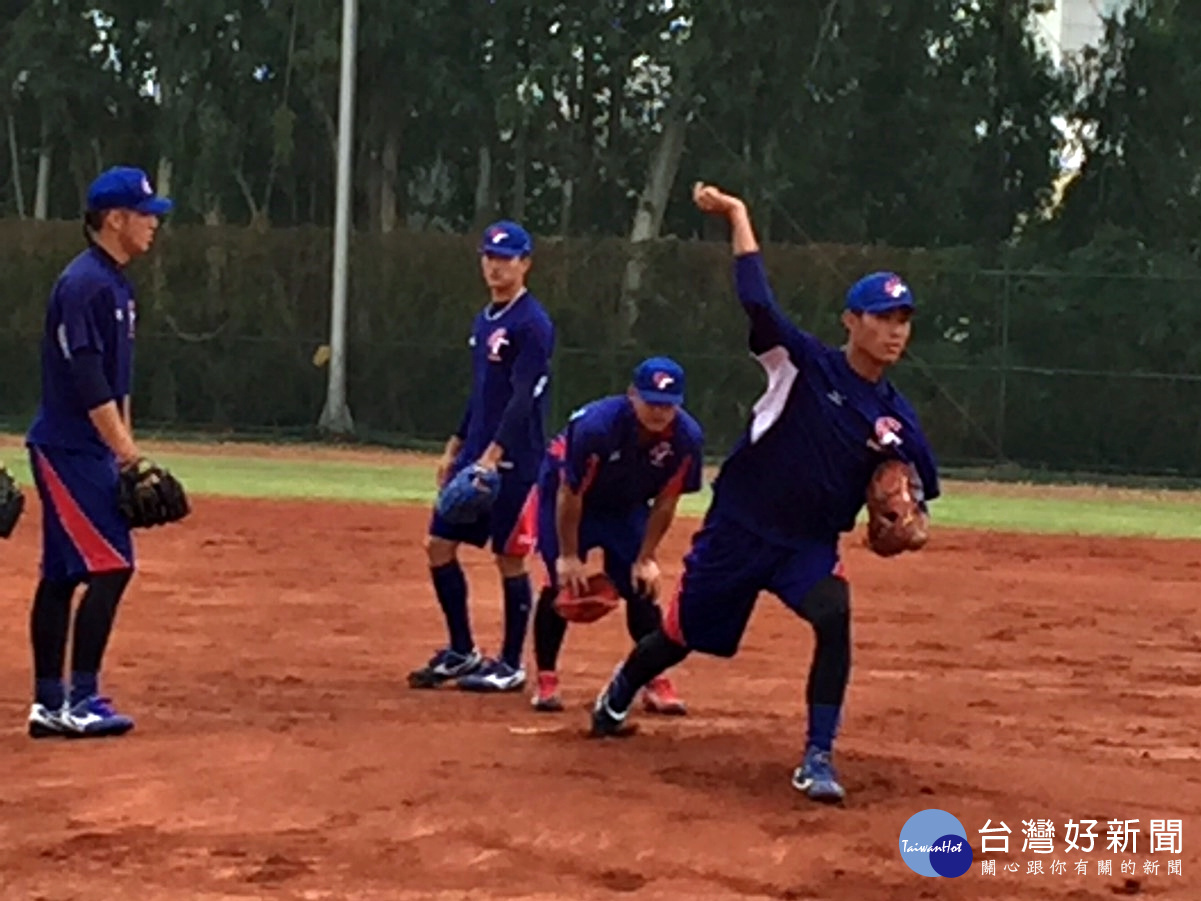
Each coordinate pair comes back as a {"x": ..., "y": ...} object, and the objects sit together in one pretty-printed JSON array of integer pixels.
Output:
[
  {"x": 549, "y": 631},
  {"x": 93, "y": 626},
  {"x": 643, "y": 617},
  {"x": 519, "y": 597},
  {"x": 827, "y": 607},
  {"x": 450, "y": 586},
  {"x": 653, "y": 655},
  {"x": 49, "y": 620}
]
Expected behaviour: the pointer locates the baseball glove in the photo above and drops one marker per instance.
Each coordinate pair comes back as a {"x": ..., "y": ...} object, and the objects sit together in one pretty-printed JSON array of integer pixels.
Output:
[
  {"x": 896, "y": 522},
  {"x": 599, "y": 600},
  {"x": 12, "y": 502},
  {"x": 150, "y": 496},
  {"x": 469, "y": 495}
]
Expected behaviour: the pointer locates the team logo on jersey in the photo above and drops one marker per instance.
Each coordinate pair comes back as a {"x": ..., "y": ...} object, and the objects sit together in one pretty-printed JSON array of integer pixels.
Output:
[
  {"x": 133, "y": 317},
  {"x": 660, "y": 453},
  {"x": 496, "y": 342},
  {"x": 662, "y": 380},
  {"x": 886, "y": 434}
]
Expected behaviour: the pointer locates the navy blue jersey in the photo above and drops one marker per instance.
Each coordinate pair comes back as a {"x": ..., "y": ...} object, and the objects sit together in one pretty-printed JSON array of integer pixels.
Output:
[
  {"x": 801, "y": 470},
  {"x": 616, "y": 470},
  {"x": 511, "y": 347},
  {"x": 91, "y": 310}
]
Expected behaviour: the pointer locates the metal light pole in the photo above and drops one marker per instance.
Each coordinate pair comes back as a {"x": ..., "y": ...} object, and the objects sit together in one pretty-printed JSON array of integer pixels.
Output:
[{"x": 336, "y": 415}]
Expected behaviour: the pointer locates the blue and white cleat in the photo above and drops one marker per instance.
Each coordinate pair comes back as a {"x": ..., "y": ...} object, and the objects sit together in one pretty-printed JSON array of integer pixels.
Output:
[
  {"x": 815, "y": 778},
  {"x": 46, "y": 722},
  {"x": 445, "y": 666},
  {"x": 494, "y": 676},
  {"x": 94, "y": 717},
  {"x": 607, "y": 722}
]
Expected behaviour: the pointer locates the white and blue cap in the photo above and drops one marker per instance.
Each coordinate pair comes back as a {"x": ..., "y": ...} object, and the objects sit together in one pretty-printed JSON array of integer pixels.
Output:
[
  {"x": 126, "y": 188},
  {"x": 506, "y": 239},
  {"x": 878, "y": 293},
  {"x": 660, "y": 380}
]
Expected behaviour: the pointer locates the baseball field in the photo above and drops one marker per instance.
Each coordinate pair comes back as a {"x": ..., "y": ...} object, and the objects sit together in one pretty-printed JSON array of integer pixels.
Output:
[{"x": 1040, "y": 660}]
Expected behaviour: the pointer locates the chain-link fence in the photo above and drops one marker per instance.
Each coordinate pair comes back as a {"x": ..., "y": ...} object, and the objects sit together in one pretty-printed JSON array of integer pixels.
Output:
[{"x": 1045, "y": 370}]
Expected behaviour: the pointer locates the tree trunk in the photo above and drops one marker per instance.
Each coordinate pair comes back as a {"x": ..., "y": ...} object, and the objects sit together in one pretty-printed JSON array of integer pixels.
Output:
[
  {"x": 483, "y": 188},
  {"x": 389, "y": 176},
  {"x": 41, "y": 200},
  {"x": 162, "y": 178},
  {"x": 565, "y": 208},
  {"x": 652, "y": 205},
  {"x": 519, "y": 167},
  {"x": 14, "y": 150}
]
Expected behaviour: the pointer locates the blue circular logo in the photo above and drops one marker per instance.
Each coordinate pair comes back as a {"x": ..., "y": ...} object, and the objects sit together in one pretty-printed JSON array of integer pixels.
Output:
[{"x": 934, "y": 843}]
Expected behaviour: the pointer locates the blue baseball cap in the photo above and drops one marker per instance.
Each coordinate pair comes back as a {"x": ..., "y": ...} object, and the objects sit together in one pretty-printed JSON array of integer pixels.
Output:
[
  {"x": 506, "y": 239},
  {"x": 126, "y": 188},
  {"x": 660, "y": 380},
  {"x": 878, "y": 293}
]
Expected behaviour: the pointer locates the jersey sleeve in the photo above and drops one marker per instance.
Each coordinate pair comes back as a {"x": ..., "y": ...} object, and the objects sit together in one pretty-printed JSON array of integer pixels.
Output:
[
  {"x": 77, "y": 331},
  {"x": 531, "y": 372},
  {"x": 687, "y": 477},
  {"x": 586, "y": 438},
  {"x": 771, "y": 329}
]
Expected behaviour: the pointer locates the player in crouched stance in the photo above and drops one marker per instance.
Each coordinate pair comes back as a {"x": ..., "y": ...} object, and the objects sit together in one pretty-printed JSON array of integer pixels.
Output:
[
  {"x": 612, "y": 480},
  {"x": 795, "y": 480}
]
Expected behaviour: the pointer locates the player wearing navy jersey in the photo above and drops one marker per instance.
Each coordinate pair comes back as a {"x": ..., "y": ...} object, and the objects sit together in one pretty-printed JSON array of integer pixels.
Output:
[
  {"x": 80, "y": 439},
  {"x": 795, "y": 480},
  {"x": 503, "y": 430},
  {"x": 612, "y": 480}
]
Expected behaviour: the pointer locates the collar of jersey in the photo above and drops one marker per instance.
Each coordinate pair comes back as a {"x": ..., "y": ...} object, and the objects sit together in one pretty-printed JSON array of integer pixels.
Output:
[{"x": 492, "y": 317}]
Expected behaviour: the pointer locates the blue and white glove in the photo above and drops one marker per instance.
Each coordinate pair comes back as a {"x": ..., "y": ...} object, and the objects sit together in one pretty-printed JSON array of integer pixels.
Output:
[{"x": 469, "y": 495}]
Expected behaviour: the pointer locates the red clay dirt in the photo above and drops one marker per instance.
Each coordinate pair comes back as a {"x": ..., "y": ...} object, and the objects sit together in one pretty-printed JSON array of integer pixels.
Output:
[{"x": 278, "y": 753}]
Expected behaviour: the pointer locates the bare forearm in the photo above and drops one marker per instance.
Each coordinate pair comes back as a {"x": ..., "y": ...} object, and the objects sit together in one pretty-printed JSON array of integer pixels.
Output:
[
  {"x": 569, "y": 510},
  {"x": 742, "y": 233},
  {"x": 454, "y": 444},
  {"x": 492, "y": 455},
  {"x": 662, "y": 514},
  {"x": 114, "y": 432}
]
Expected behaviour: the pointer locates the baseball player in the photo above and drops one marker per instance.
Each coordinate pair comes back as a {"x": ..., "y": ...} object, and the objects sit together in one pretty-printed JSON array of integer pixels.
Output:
[
  {"x": 612, "y": 480},
  {"x": 83, "y": 457},
  {"x": 502, "y": 434},
  {"x": 794, "y": 481}
]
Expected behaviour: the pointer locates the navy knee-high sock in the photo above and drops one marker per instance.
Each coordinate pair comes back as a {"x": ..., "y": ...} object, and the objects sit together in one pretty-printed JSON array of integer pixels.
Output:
[
  {"x": 450, "y": 585},
  {"x": 519, "y": 598}
]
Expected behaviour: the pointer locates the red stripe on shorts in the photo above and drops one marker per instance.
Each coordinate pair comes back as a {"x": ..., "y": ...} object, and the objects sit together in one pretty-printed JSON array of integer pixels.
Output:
[{"x": 98, "y": 555}]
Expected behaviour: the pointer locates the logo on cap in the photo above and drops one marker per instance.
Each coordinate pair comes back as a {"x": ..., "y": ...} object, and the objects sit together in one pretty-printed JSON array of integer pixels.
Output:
[
  {"x": 499, "y": 236},
  {"x": 146, "y": 189},
  {"x": 662, "y": 380},
  {"x": 895, "y": 288}
]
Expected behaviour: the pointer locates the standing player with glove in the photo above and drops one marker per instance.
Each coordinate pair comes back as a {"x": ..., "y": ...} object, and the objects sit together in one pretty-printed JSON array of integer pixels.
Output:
[
  {"x": 489, "y": 470},
  {"x": 93, "y": 483},
  {"x": 798, "y": 477},
  {"x": 612, "y": 480}
]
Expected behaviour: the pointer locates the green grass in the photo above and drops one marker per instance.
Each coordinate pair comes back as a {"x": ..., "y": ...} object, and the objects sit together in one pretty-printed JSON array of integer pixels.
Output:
[{"x": 966, "y": 505}]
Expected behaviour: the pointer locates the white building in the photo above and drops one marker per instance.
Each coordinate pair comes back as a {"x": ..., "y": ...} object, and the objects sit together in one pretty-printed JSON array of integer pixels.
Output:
[{"x": 1071, "y": 25}]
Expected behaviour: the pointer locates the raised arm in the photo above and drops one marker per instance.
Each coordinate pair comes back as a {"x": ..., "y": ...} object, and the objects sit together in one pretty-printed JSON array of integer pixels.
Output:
[{"x": 770, "y": 327}]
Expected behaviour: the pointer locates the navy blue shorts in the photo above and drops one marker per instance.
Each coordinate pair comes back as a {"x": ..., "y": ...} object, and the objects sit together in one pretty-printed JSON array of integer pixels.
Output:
[
  {"x": 83, "y": 531},
  {"x": 511, "y": 524},
  {"x": 724, "y": 572},
  {"x": 618, "y": 535}
]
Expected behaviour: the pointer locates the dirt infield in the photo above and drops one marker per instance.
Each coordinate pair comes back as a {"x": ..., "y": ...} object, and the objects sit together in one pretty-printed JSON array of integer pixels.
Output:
[{"x": 278, "y": 754}]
